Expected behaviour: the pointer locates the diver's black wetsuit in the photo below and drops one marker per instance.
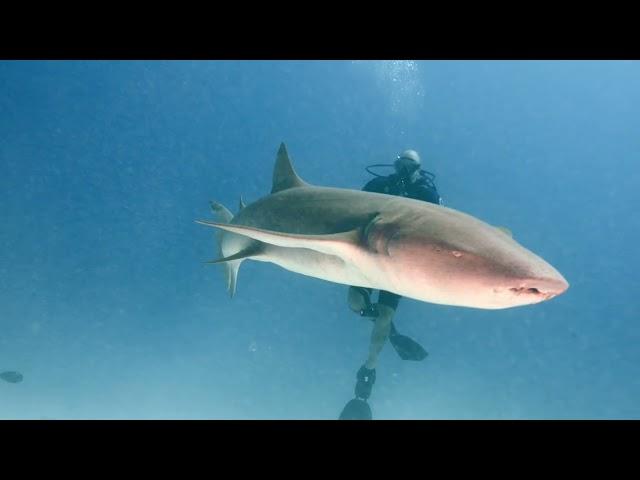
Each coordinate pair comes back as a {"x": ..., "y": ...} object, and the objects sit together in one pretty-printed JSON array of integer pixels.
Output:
[{"x": 422, "y": 189}]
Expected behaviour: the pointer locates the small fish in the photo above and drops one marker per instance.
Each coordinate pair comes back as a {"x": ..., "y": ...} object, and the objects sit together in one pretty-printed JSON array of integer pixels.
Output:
[{"x": 11, "y": 377}]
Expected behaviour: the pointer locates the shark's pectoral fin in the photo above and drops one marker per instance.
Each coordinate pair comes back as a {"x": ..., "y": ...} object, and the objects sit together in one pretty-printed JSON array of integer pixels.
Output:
[
  {"x": 251, "y": 251},
  {"x": 338, "y": 244}
]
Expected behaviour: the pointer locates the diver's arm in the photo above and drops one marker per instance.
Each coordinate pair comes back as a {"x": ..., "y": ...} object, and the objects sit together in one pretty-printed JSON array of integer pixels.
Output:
[
  {"x": 376, "y": 185},
  {"x": 426, "y": 194}
]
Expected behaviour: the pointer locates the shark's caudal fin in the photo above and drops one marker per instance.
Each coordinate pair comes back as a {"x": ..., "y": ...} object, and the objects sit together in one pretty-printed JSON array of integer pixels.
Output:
[
  {"x": 230, "y": 265},
  {"x": 284, "y": 176}
]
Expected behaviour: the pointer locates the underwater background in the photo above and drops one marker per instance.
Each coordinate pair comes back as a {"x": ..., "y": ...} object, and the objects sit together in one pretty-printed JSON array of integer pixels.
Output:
[{"x": 109, "y": 312}]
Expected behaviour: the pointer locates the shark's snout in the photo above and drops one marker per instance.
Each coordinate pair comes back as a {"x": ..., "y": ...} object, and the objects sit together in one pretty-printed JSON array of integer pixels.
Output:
[{"x": 540, "y": 288}]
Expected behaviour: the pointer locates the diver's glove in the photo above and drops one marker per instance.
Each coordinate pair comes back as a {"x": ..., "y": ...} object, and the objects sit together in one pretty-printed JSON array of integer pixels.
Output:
[
  {"x": 366, "y": 378},
  {"x": 360, "y": 302},
  {"x": 370, "y": 310}
]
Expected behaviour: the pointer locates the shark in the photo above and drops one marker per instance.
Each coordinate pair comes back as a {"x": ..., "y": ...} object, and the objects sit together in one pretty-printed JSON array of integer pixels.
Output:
[{"x": 427, "y": 252}]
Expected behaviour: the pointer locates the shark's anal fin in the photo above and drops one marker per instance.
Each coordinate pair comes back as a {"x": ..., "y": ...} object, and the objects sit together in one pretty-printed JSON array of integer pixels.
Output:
[
  {"x": 251, "y": 251},
  {"x": 338, "y": 244},
  {"x": 284, "y": 176}
]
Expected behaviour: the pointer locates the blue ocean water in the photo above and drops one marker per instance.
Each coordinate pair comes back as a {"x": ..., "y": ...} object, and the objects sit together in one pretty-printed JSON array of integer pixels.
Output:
[{"x": 108, "y": 310}]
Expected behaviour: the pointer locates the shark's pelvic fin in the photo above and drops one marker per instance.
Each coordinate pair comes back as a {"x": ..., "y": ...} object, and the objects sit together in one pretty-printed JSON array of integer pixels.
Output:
[
  {"x": 332, "y": 244},
  {"x": 251, "y": 251},
  {"x": 284, "y": 176}
]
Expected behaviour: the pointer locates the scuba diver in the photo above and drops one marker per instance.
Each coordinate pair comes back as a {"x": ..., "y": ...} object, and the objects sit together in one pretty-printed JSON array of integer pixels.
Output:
[{"x": 409, "y": 180}]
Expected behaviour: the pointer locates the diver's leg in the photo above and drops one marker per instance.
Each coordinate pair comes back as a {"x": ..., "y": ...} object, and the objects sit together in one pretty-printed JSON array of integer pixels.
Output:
[
  {"x": 359, "y": 302},
  {"x": 357, "y": 408},
  {"x": 389, "y": 299},
  {"x": 382, "y": 314},
  {"x": 380, "y": 333},
  {"x": 386, "y": 309},
  {"x": 366, "y": 376}
]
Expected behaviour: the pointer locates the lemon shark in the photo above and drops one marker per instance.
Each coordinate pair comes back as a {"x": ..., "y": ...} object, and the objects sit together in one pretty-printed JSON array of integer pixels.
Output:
[{"x": 412, "y": 248}]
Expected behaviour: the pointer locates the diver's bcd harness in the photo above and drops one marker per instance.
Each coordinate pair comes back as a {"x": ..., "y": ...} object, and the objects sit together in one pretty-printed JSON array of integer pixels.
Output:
[{"x": 428, "y": 178}]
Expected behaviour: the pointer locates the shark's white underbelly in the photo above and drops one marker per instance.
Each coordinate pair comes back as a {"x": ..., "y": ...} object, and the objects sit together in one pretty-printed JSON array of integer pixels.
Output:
[{"x": 314, "y": 264}]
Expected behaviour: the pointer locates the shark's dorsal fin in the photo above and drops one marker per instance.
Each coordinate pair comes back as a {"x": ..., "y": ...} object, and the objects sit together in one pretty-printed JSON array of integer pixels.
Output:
[{"x": 284, "y": 176}]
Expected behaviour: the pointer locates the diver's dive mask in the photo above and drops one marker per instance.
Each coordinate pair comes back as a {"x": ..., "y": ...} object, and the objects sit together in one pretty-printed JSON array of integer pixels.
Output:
[{"x": 406, "y": 168}]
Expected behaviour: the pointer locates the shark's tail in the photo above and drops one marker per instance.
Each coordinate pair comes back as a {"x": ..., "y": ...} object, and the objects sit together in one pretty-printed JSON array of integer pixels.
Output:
[{"x": 230, "y": 268}]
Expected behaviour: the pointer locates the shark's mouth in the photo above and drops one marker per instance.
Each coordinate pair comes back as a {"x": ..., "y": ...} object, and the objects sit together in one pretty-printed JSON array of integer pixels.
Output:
[
  {"x": 521, "y": 290},
  {"x": 533, "y": 293},
  {"x": 542, "y": 289}
]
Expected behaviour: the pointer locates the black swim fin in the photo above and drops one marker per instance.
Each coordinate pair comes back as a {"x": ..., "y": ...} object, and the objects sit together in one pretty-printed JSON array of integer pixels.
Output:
[
  {"x": 356, "y": 409},
  {"x": 407, "y": 348}
]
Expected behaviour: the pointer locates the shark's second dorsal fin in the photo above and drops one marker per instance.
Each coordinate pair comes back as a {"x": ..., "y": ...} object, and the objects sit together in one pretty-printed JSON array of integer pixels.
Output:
[{"x": 284, "y": 176}]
